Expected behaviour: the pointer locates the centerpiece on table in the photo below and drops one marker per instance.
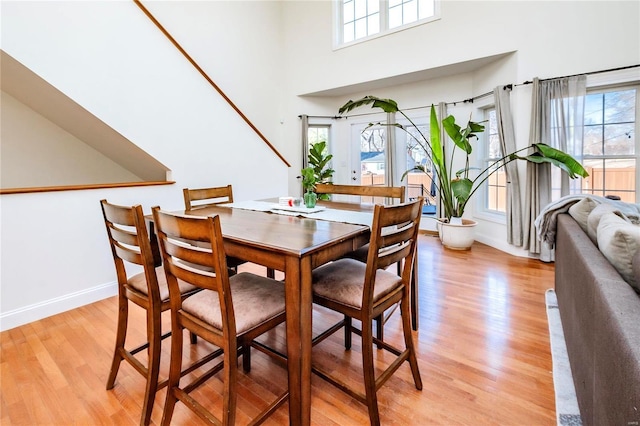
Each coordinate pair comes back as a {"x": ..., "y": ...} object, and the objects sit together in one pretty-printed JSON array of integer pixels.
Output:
[{"x": 457, "y": 187}]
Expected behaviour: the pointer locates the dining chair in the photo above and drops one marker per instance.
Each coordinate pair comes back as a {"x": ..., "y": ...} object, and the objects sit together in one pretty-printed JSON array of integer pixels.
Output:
[
  {"x": 207, "y": 197},
  {"x": 229, "y": 312},
  {"x": 130, "y": 245},
  {"x": 390, "y": 195},
  {"x": 363, "y": 291}
]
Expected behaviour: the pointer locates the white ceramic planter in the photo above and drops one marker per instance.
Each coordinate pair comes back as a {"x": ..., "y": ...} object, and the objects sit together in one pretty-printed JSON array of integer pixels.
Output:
[{"x": 457, "y": 236}]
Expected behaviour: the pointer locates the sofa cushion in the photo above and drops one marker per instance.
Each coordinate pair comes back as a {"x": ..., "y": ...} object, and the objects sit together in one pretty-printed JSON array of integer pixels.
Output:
[
  {"x": 580, "y": 211},
  {"x": 594, "y": 219},
  {"x": 618, "y": 241}
]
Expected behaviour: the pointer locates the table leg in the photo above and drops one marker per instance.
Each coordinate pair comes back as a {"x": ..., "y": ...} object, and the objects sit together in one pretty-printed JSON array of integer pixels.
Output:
[
  {"x": 155, "y": 248},
  {"x": 299, "y": 322}
]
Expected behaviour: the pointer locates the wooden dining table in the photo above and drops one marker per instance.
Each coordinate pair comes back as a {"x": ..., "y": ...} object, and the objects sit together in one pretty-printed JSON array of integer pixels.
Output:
[{"x": 294, "y": 245}]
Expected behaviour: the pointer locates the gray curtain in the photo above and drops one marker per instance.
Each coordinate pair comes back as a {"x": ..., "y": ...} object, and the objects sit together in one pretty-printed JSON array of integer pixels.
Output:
[
  {"x": 390, "y": 151},
  {"x": 557, "y": 117},
  {"x": 304, "y": 119},
  {"x": 506, "y": 134}
]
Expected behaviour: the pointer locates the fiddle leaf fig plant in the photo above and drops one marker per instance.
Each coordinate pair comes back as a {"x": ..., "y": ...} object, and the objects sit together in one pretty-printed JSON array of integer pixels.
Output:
[
  {"x": 309, "y": 179},
  {"x": 319, "y": 160},
  {"x": 457, "y": 187}
]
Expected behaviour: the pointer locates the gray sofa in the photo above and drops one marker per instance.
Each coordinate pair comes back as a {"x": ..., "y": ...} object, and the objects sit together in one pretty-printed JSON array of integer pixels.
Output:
[{"x": 600, "y": 316}]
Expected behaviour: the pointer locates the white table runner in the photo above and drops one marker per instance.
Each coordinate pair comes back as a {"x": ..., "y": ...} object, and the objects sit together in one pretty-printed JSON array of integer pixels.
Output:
[{"x": 332, "y": 215}]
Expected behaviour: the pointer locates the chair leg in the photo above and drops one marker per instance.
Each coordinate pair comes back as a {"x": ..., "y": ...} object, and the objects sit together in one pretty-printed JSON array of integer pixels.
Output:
[
  {"x": 230, "y": 394},
  {"x": 121, "y": 335},
  {"x": 408, "y": 341},
  {"x": 369, "y": 374},
  {"x": 175, "y": 368},
  {"x": 271, "y": 273},
  {"x": 413, "y": 294},
  {"x": 380, "y": 329},
  {"x": 347, "y": 332},
  {"x": 154, "y": 336},
  {"x": 246, "y": 357},
  {"x": 194, "y": 338}
]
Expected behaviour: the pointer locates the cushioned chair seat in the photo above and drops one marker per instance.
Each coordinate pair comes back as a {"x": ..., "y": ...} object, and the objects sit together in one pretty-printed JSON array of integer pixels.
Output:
[
  {"x": 342, "y": 282},
  {"x": 256, "y": 299},
  {"x": 139, "y": 283}
]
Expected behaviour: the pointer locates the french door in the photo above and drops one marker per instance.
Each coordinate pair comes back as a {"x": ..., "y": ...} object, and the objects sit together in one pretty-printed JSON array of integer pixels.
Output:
[{"x": 377, "y": 159}]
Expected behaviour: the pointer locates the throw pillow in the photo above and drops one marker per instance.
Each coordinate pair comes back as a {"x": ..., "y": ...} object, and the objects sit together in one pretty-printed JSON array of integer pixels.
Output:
[
  {"x": 580, "y": 211},
  {"x": 594, "y": 218},
  {"x": 618, "y": 241},
  {"x": 630, "y": 211}
]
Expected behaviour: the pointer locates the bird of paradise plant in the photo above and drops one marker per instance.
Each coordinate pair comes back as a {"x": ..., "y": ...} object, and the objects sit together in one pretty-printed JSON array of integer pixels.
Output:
[{"x": 457, "y": 188}]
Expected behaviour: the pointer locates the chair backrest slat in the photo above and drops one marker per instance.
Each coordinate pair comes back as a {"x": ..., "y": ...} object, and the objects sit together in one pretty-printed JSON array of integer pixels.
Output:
[
  {"x": 204, "y": 197},
  {"x": 127, "y": 237},
  {"x": 192, "y": 275},
  {"x": 128, "y": 253},
  {"x": 399, "y": 234},
  {"x": 395, "y": 193}
]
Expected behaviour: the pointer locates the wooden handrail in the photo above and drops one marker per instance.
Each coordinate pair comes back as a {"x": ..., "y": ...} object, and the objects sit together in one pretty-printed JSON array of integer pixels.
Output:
[
  {"x": 206, "y": 77},
  {"x": 7, "y": 191}
]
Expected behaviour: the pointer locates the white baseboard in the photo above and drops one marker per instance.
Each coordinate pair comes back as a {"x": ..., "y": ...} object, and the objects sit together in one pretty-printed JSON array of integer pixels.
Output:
[
  {"x": 502, "y": 245},
  {"x": 37, "y": 311}
]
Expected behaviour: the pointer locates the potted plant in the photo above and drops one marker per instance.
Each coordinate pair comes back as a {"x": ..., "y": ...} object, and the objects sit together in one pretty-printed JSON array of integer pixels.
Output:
[
  {"x": 319, "y": 161},
  {"x": 457, "y": 187},
  {"x": 309, "y": 181}
]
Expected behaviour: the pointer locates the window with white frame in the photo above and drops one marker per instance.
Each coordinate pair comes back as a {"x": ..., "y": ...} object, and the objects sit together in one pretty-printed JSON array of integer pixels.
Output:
[
  {"x": 609, "y": 146},
  {"x": 495, "y": 187},
  {"x": 359, "y": 19},
  {"x": 403, "y": 12},
  {"x": 318, "y": 133}
]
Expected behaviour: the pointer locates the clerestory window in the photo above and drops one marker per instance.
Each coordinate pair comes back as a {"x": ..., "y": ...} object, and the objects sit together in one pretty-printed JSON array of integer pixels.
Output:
[{"x": 362, "y": 19}]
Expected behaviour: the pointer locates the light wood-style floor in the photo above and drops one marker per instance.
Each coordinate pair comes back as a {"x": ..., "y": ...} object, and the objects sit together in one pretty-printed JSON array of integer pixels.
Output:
[{"x": 483, "y": 350}]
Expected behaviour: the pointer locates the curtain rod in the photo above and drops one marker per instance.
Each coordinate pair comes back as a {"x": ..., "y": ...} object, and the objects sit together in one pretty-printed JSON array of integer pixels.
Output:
[
  {"x": 584, "y": 73},
  {"x": 505, "y": 87},
  {"x": 510, "y": 86},
  {"x": 335, "y": 117}
]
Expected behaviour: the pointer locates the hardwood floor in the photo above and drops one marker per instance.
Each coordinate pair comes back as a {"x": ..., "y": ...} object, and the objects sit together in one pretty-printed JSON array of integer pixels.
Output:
[{"x": 483, "y": 351}]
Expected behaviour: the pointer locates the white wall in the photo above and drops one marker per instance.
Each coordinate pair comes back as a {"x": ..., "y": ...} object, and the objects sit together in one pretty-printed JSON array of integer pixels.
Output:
[
  {"x": 37, "y": 152},
  {"x": 108, "y": 57}
]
